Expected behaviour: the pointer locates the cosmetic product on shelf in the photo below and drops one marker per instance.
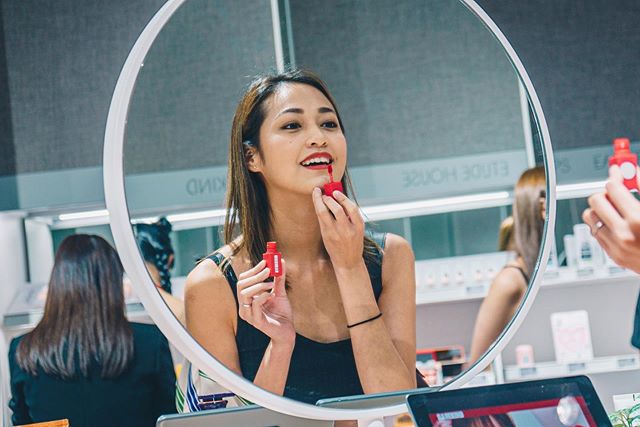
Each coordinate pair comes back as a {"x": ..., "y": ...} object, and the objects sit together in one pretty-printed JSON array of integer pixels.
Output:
[
  {"x": 570, "y": 250},
  {"x": 584, "y": 249},
  {"x": 571, "y": 336}
]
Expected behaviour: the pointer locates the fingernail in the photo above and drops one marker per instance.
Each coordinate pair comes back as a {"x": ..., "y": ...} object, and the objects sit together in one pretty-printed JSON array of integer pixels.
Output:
[{"x": 338, "y": 193}]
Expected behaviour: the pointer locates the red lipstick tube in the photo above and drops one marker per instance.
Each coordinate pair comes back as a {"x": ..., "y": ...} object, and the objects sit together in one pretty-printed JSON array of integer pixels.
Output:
[
  {"x": 332, "y": 186},
  {"x": 627, "y": 161},
  {"x": 273, "y": 259}
]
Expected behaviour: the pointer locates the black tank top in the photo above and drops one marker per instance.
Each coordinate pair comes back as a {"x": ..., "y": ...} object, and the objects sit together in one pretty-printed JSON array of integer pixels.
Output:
[{"x": 317, "y": 370}]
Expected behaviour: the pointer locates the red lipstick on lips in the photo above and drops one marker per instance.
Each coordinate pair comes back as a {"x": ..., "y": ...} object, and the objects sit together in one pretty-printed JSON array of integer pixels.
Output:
[{"x": 332, "y": 186}]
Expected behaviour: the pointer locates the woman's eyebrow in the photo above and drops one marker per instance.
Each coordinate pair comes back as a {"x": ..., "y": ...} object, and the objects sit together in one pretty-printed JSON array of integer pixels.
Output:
[
  {"x": 291, "y": 110},
  {"x": 301, "y": 111}
]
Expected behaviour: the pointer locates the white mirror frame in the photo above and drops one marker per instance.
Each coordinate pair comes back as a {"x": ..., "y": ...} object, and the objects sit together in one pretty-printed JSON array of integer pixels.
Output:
[{"x": 115, "y": 195}]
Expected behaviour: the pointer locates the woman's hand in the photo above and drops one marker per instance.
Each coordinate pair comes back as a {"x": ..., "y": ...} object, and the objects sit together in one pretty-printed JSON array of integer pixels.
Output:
[
  {"x": 614, "y": 218},
  {"x": 265, "y": 305},
  {"x": 342, "y": 228}
]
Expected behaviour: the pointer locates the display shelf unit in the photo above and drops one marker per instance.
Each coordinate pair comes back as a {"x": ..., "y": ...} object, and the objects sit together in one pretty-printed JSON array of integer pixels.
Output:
[
  {"x": 482, "y": 379},
  {"x": 561, "y": 277},
  {"x": 598, "y": 365}
]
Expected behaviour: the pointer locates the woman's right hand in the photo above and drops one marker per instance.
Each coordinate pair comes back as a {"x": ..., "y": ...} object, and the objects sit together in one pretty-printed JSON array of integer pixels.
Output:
[
  {"x": 614, "y": 218},
  {"x": 265, "y": 305}
]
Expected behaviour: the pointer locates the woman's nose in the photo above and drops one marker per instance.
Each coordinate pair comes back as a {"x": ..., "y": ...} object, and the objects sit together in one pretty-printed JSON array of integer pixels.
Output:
[{"x": 317, "y": 139}]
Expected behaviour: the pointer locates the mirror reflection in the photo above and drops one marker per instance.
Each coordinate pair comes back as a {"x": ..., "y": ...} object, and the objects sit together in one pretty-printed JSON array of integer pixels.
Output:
[
  {"x": 394, "y": 282},
  {"x": 521, "y": 233}
]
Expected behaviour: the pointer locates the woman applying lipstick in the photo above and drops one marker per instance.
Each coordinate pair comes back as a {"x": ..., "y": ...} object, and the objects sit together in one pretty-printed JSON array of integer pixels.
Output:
[{"x": 340, "y": 320}]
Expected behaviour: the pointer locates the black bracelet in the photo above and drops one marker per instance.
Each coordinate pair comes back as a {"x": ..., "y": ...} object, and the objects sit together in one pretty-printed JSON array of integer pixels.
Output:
[{"x": 365, "y": 321}]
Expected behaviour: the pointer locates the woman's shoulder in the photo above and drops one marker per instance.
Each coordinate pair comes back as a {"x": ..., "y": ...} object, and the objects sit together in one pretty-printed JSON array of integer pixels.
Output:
[
  {"x": 207, "y": 272},
  {"x": 397, "y": 249},
  {"x": 398, "y": 263},
  {"x": 13, "y": 349},
  {"x": 13, "y": 345},
  {"x": 208, "y": 286},
  {"x": 509, "y": 282}
]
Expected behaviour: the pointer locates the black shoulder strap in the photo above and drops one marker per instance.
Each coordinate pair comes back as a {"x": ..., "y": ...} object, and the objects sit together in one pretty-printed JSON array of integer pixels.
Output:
[
  {"x": 375, "y": 268},
  {"x": 524, "y": 275},
  {"x": 225, "y": 266}
]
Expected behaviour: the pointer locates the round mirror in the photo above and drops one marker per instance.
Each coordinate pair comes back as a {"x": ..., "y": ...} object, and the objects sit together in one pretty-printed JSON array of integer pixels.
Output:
[{"x": 433, "y": 128}]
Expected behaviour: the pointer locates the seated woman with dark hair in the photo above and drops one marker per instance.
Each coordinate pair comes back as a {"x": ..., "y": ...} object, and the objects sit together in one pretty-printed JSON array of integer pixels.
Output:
[
  {"x": 156, "y": 248},
  {"x": 84, "y": 361}
]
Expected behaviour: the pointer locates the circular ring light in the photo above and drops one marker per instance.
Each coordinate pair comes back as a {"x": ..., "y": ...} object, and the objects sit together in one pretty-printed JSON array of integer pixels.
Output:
[{"x": 114, "y": 189}]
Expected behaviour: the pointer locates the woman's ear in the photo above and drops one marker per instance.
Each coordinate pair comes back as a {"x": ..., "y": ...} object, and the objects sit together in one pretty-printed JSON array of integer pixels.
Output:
[{"x": 252, "y": 157}]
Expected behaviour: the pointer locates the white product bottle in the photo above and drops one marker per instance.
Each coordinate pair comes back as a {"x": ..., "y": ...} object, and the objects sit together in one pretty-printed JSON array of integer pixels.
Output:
[
  {"x": 598, "y": 252},
  {"x": 552, "y": 262},
  {"x": 583, "y": 246},
  {"x": 570, "y": 250}
]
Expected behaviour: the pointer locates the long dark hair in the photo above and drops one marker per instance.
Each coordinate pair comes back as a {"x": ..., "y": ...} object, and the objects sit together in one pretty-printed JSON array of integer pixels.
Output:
[
  {"x": 528, "y": 224},
  {"x": 84, "y": 319},
  {"x": 248, "y": 210},
  {"x": 156, "y": 248}
]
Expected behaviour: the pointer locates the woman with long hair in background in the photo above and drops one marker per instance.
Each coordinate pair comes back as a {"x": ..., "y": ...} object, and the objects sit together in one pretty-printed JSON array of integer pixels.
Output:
[
  {"x": 510, "y": 284},
  {"x": 85, "y": 361}
]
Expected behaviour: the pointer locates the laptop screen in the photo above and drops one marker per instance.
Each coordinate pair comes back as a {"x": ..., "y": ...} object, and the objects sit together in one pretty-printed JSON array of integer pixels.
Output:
[{"x": 561, "y": 402}]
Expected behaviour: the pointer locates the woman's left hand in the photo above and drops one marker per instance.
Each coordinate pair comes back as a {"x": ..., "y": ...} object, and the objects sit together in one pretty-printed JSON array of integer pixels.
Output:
[{"x": 342, "y": 228}]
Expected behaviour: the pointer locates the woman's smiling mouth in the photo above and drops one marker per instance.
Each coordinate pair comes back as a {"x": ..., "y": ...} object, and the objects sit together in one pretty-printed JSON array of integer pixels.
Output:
[{"x": 317, "y": 161}]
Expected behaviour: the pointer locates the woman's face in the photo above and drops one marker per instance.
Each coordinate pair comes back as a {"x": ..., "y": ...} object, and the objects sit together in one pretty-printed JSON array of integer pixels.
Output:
[{"x": 299, "y": 138}]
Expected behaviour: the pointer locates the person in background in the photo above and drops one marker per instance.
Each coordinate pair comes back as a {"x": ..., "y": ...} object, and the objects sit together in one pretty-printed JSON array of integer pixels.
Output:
[
  {"x": 84, "y": 361},
  {"x": 614, "y": 218},
  {"x": 157, "y": 251},
  {"x": 510, "y": 284}
]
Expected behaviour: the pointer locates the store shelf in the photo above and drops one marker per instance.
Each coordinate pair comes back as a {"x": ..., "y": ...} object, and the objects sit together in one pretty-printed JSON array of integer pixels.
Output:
[
  {"x": 482, "y": 379},
  {"x": 566, "y": 276},
  {"x": 598, "y": 365},
  {"x": 561, "y": 277}
]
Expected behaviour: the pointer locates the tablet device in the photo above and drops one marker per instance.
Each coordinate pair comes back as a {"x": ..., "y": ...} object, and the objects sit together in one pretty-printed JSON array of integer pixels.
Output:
[
  {"x": 557, "y": 402},
  {"x": 246, "y": 416},
  {"x": 368, "y": 401}
]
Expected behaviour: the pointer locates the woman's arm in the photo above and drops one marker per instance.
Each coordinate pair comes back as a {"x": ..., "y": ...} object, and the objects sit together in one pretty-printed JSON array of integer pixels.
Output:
[
  {"x": 175, "y": 304},
  {"x": 211, "y": 318},
  {"x": 384, "y": 348},
  {"x": 497, "y": 309}
]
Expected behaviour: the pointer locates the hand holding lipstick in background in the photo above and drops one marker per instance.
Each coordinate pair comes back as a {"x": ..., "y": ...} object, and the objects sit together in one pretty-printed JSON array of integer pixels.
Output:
[
  {"x": 614, "y": 218},
  {"x": 342, "y": 228}
]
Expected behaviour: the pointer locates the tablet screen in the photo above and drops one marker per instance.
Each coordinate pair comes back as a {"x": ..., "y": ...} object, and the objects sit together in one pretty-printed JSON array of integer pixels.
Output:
[{"x": 569, "y": 402}]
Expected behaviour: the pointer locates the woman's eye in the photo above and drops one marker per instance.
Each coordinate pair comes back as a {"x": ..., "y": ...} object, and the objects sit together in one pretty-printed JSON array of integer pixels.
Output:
[
  {"x": 330, "y": 124},
  {"x": 292, "y": 125}
]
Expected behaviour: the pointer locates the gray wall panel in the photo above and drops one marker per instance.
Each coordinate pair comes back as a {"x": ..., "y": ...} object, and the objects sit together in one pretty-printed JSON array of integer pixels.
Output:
[
  {"x": 424, "y": 77},
  {"x": 7, "y": 150},
  {"x": 63, "y": 59},
  {"x": 583, "y": 58},
  {"x": 192, "y": 80}
]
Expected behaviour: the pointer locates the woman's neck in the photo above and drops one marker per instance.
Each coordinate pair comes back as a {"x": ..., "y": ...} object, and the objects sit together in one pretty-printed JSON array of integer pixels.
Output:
[{"x": 295, "y": 226}]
